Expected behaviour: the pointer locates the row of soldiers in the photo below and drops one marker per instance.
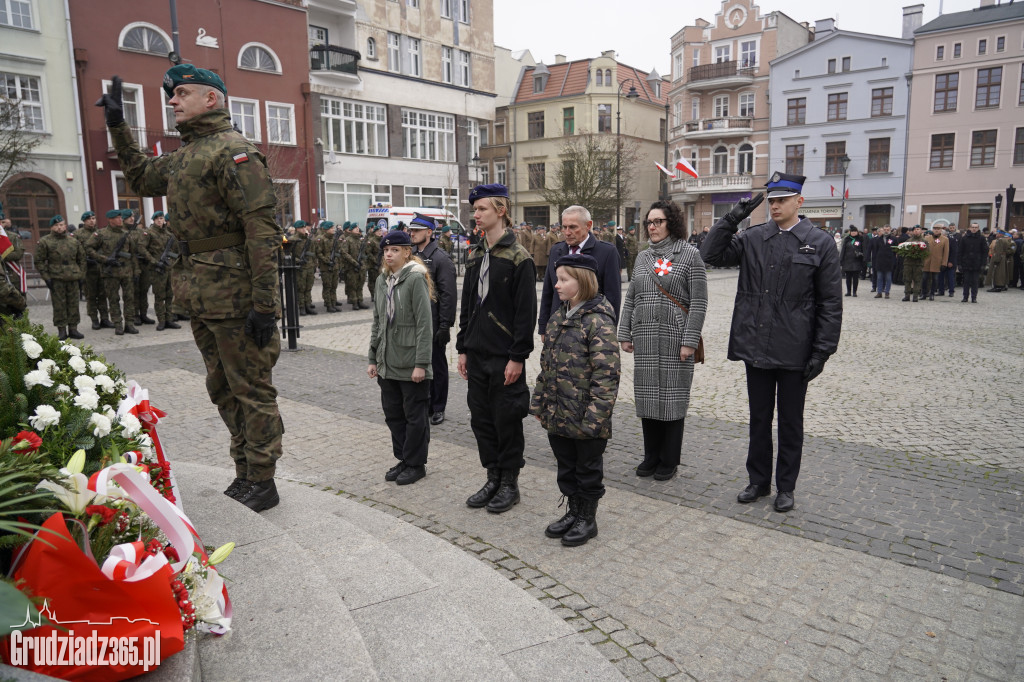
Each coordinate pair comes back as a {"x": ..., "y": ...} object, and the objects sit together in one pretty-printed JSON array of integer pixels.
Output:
[
  {"x": 539, "y": 240},
  {"x": 340, "y": 253}
]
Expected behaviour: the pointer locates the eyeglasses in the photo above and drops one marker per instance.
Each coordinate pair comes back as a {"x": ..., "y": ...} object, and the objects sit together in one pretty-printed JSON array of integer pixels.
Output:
[{"x": 656, "y": 222}]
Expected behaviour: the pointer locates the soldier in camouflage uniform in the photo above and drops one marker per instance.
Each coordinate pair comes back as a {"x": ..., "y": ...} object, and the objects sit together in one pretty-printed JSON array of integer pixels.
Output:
[
  {"x": 222, "y": 199},
  {"x": 355, "y": 267},
  {"x": 306, "y": 260},
  {"x": 445, "y": 241},
  {"x": 162, "y": 249},
  {"x": 138, "y": 235},
  {"x": 12, "y": 302},
  {"x": 112, "y": 249},
  {"x": 95, "y": 299},
  {"x": 631, "y": 251},
  {"x": 60, "y": 260},
  {"x": 16, "y": 253},
  {"x": 372, "y": 258},
  {"x": 325, "y": 246}
]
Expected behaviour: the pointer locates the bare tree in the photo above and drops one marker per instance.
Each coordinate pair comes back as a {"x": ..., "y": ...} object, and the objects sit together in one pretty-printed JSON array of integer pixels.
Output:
[
  {"x": 16, "y": 140},
  {"x": 284, "y": 163},
  {"x": 586, "y": 175}
]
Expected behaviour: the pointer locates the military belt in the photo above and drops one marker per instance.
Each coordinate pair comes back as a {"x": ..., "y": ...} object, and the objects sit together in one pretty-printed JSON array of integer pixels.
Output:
[{"x": 187, "y": 248}]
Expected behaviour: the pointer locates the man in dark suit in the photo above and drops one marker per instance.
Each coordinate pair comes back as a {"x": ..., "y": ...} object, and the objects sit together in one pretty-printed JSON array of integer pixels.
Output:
[{"x": 576, "y": 226}]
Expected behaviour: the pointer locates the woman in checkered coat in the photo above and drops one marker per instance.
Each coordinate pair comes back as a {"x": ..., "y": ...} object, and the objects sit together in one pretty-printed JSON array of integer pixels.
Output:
[{"x": 662, "y": 336}]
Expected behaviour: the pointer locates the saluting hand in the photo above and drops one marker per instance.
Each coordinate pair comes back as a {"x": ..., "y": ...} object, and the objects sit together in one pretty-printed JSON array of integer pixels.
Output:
[{"x": 112, "y": 103}]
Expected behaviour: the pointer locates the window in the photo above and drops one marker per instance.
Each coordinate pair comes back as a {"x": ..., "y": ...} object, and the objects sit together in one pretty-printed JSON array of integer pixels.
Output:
[
  {"x": 343, "y": 199},
  {"x": 957, "y": 50},
  {"x": 371, "y": 48},
  {"x": 989, "y": 85},
  {"x": 134, "y": 109},
  {"x": 258, "y": 58},
  {"x": 26, "y": 92},
  {"x": 394, "y": 61},
  {"x": 745, "y": 159},
  {"x": 795, "y": 159},
  {"x": 748, "y": 53},
  {"x": 846, "y": 63},
  {"x": 535, "y": 125},
  {"x": 695, "y": 109},
  {"x": 428, "y": 136},
  {"x": 696, "y": 56},
  {"x": 677, "y": 66},
  {"x": 982, "y": 46},
  {"x": 433, "y": 197},
  {"x": 414, "y": 57},
  {"x": 946, "y": 85},
  {"x": 446, "y": 66},
  {"x": 1001, "y": 44},
  {"x": 604, "y": 118},
  {"x": 607, "y": 76},
  {"x": 464, "y": 11},
  {"x": 940, "y": 53},
  {"x": 747, "y": 104},
  {"x": 657, "y": 88},
  {"x": 144, "y": 38},
  {"x": 600, "y": 77},
  {"x": 245, "y": 113},
  {"x": 536, "y": 174},
  {"x": 446, "y": 9},
  {"x": 983, "y": 148},
  {"x": 721, "y": 106},
  {"x": 834, "y": 153},
  {"x": 942, "y": 151},
  {"x": 499, "y": 173},
  {"x": 1020, "y": 95},
  {"x": 722, "y": 53},
  {"x": 464, "y": 70},
  {"x": 831, "y": 66},
  {"x": 796, "y": 111},
  {"x": 415, "y": 4},
  {"x": 17, "y": 13},
  {"x": 474, "y": 139},
  {"x": 318, "y": 35},
  {"x": 677, "y": 113},
  {"x": 169, "y": 124},
  {"x": 881, "y": 102},
  {"x": 662, "y": 131},
  {"x": 878, "y": 155},
  {"x": 280, "y": 123},
  {"x": 837, "y": 106},
  {"x": 1018, "y": 148},
  {"x": 569, "y": 121},
  {"x": 720, "y": 161}
]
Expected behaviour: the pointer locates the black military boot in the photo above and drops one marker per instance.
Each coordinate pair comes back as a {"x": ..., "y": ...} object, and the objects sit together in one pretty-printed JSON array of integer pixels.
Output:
[
  {"x": 562, "y": 525},
  {"x": 585, "y": 526},
  {"x": 106, "y": 324},
  {"x": 183, "y": 318},
  {"x": 508, "y": 492},
  {"x": 481, "y": 497},
  {"x": 137, "y": 321},
  {"x": 145, "y": 320},
  {"x": 74, "y": 333},
  {"x": 95, "y": 322},
  {"x": 311, "y": 309},
  {"x": 160, "y": 326},
  {"x": 62, "y": 333},
  {"x": 119, "y": 330},
  {"x": 171, "y": 324},
  {"x": 261, "y": 495},
  {"x": 128, "y": 329},
  {"x": 238, "y": 488}
]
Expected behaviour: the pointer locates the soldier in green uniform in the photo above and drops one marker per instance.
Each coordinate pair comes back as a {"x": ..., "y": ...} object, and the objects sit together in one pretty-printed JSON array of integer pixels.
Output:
[
  {"x": 222, "y": 199},
  {"x": 162, "y": 250},
  {"x": 95, "y": 299},
  {"x": 111, "y": 248},
  {"x": 631, "y": 250},
  {"x": 306, "y": 260},
  {"x": 445, "y": 242},
  {"x": 913, "y": 269},
  {"x": 372, "y": 257},
  {"x": 328, "y": 259},
  {"x": 138, "y": 235},
  {"x": 355, "y": 267},
  {"x": 60, "y": 260}
]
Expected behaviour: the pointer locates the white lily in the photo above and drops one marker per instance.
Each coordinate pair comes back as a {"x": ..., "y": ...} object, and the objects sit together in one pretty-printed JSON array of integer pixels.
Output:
[
  {"x": 76, "y": 496},
  {"x": 77, "y": 462},
  {"x": 221, "y": 553}
]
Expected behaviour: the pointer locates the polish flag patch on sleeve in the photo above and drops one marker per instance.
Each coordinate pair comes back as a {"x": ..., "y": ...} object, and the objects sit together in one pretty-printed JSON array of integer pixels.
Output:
[{"x": 240, "y": 157}]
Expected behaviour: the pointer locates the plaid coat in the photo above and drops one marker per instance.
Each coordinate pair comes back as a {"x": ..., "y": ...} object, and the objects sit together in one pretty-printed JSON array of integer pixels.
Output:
[{"x": 658, "y": 328}]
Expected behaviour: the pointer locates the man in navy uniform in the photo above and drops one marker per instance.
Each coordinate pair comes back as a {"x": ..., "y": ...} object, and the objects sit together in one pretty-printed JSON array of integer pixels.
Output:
[{"x": 785, "y": 324}]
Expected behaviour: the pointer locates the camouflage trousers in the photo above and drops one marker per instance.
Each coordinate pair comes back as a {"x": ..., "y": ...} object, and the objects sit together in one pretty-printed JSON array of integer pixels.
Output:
[
  {"x": 115, "y": 288},
  {"x": 354, "y": 285},
  {"x": 95, "y": 298},
  {"x": 330, "y": 290},
  {"x": 163, "y": 295},
  {"x": 371, "y": 280},
  {"x": 238, "y": 379},
  {"x": 304, "y": 283},
  {"x": 142, "y": 291},
  {"x": 912, "y": 272},
  {"x": 64, "y": 296}
]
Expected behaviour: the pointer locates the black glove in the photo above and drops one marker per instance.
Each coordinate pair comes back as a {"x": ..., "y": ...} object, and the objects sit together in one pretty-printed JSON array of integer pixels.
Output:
[
  {"x": 814, "y": 367},
  {"x": 112, "y": 103},
  {"x": 112, "y": 262},
  {"x": 742, "y": 209},
  {"x": 443, "y": 335},
  {"x": 260, "y": 327},
  {"x": 49, "y": 284}
]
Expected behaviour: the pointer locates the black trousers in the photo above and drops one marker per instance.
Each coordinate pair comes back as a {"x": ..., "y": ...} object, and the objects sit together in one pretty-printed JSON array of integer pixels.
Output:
[
  {"x": 405, "y": 406},
  {"x": 439, "y": 384},
  {"x": 496, "y": 411},
  {"x": 580, "y": 465},
  {"x": 663, "y": 442},
  {"x": 852, "y": 278},
  {"x": 971, "y": 278},
  {"x": 767, "y": 388}
]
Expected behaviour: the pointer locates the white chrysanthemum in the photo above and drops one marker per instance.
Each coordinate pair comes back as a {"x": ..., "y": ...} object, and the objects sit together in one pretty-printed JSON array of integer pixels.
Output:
[
  {"x": 38, "y": 377},
  {"x": 31, "y": 346},
  {"x": 72, "y": 350},
  {"x": 45, "y": 416},
  {"x": 131, "y": 424},
  {"x": 100, "y": 424},
  {"x": 104, "y": 383},
  {"x": 110, "y": 412},
  {"x": 77, "y": 364},
  {"x": 46, "y": 365},
  {"x": 63, "y": 388},
  {"x": 97, "y": 367},
  {"x": 85, "y": 383},
  {"x": 88, "y": 400}
]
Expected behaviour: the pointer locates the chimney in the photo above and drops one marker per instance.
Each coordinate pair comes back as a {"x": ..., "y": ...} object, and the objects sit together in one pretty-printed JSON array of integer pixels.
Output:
[
  {"x": 559, "y": 59},
  {"x": 824, "y": 26},
  {"x": 610, "y": 54},
  {"x": 913, "y": 16}
]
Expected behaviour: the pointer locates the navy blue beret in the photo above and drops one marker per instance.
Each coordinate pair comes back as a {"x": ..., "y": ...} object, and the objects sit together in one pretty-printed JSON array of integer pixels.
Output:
[
  {"x": 396, "y": 238},
  {"x": 483, "y": 191},
  {"x": 577, "y": 260}
]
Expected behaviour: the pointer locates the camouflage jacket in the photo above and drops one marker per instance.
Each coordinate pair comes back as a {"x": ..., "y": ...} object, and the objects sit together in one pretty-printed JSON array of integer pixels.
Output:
[
  {"x": 217, "y": 188},
  {"x": 60, "y": 257},
  {"x": 83, "y": 235},
  {"x": 139, "y": 237},
  {"x": 101, "y": 246},
  {"x": 19, "y": 248},
  {"x": 156, "y": 242},
  {"x": 631, "y": 245},
  {"x": 445, "y": 242},
  {"x": 303, "y": 243},
  {"x": 579, "y": 372},
  {"x": 324, "y": 245},
  {"x": 352, "y": 246},
  {"x": 372, "y": 257}
]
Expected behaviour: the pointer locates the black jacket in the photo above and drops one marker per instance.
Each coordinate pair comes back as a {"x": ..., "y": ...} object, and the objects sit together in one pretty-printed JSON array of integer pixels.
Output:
[
  {"x": 503, "y": 324},
  {"x": 973, "y": 251},
  {"x": 789, "y": 298},
  {"x": 882, "y": 257},
  {"x": 608, "y": 277},
  {"x": 954, "y": 250},
  {"x": 442, "y": 272},
  {"x": 851, "y": 253}
]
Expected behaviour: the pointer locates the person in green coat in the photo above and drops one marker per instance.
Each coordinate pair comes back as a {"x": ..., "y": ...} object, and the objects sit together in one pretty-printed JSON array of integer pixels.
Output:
[
  {"x": 60, "y": 260},
  {"x": 400, "y": 354}
]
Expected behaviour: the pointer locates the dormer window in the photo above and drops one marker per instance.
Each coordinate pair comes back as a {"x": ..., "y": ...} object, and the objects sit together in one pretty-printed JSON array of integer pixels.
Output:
[{"x": 538, "y": 83}]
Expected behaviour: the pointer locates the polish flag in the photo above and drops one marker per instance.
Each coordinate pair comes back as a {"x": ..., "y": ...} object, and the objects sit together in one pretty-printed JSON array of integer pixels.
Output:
[
  {"x": 666, "y": 171},
  {"x": 5, "y": 244},
  {"x": 833, "y": 188},
  {"x": 685, "y": 166},
  {"x": 158, "y": 149},
  {"x": 847, "y": 193}
]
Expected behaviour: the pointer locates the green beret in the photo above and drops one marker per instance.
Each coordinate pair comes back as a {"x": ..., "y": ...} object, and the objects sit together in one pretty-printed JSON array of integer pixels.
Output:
[
  {"x": 113, "y": 213},
  {"x": 56, "y": 219},
  {"x": 326, "y": 225},
  {"x": 87, "y": 215},
  {"x": 187, "y": 73},
  {"x": 299, "y": 223},
  {"x": 157, "y": 214},
  {"x": 127, "y": 213},
  {"x": 445, "y": 228},
  {"x": 355, "y": 228}
]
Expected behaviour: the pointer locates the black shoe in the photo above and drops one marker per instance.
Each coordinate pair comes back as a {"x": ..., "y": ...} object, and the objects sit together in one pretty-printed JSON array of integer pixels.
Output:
[
  {"x": 145, "y": 320},
  {"x": 119, "y": 330},
  {"x": 356, "y": 306},
  {"x": 95, "y": 324},
  {"x": 878, "y": 295},
  {"x": 437, "y": 418},
  {"x": 784, "y": 502},
  {"x": 238, "y": 488},
  {"x": 974, "y": 300},
  {"x": 106, "y": 324},
  {"x": 562, "y": 525},
  {"x": 128, "y": 329},
  {"x": 74, "y": 333},
  {"x": 855, "y": 294},
  {"x": 915, "y": 298},
  {"x": 161, "y": 325},
  {"x": 183, "y": 318},
  {"x": 311, "y": 309},
  {"x": 171, "y": 324},
  {"x": 752, "y": 492},
  {"x": 62, "y": 333},
  {"x": 665, "y": 474},
  {"x": 951, "y": 294},
  {"x": 646, "y": 468},
  {"x": 907, "y": 297},
  {"x": 963, "y": 300},
  {"x": 847, "y": 293},
  {"x": 137, "y": 320},
  {"x": 585, "y": 526},
  {"x": 410, "y": 475},
  {"x": 481, "y": 497},
  {"x": 887, "y": 294},
  {"x": 392, "y": 474},
  {"x": 261, "y": 495},
  {"x": 508, "y": 493}
]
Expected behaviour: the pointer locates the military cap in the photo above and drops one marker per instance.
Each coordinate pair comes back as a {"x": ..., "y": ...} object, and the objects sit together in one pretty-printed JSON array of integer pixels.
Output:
[
  {"x": 355, "y": 227},
  {"x": 422, "y": 222},
  {"x": 113, "y": 213},
  {"x": 326, "y": 225},
  {"x": 87, "y": 215},
  {"x": 577, "y": 260},
  {"x": 127, "y": 213},
  {"x": 299, "y": 223},
  {"x": 156, "y": 214},
  {"x": 611, "y": 223},
  {"x": 56, "y": 219},
  {"x": 785, "y": 184},
  {"x": 483, "y": 191},
  {"x": 187, "y": 73},
  {"x": 445, "y": 228},
  {"x": 396, "y": 238}
]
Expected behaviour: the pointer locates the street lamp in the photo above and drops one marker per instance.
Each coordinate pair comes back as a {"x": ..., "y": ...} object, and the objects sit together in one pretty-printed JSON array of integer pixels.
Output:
[
  {"x": 845, "y": 162},
  {"x": 999, "y": 204},
  {"x": 632, "y": 94},
  {"x": 1011, "y": 191},
  {"x": 654, "y": 83}
]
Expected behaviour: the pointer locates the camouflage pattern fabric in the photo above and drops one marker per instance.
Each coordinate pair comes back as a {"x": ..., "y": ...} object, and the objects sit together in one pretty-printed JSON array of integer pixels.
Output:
[
  {"x": 328, "y": 273},
  {"x": 445, "y": 242},
  {"x": 372, "y": 261},
  {"x": 307, "y": 271},
  {"x": 12, "y": 302},
  {"x": 95, "y": 299},
  {"x": 101, "y": 246},
  {"x": 65, "y": 297},
  {"x": 631, "y": 251},
  {"x": 114, "y": 288},
  {"x": 355, "y": 274},
  {"x": 142, "y": 242},
  {"x": 60, "y": 259}
]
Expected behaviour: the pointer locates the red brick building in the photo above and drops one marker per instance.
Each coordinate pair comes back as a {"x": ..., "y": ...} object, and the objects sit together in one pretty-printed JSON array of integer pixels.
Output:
[{"x": 258, "y": 47}]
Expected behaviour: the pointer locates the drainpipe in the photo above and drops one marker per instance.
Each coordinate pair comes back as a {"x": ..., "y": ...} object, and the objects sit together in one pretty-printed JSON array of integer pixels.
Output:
[{"x": 78, "y": 110}]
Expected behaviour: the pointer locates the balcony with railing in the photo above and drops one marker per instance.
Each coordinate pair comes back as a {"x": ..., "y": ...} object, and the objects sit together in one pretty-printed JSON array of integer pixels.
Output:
[
  {"x": 722, "y": 126},
  {"x": 334, "y": 59},
  {"x": 720, "y": 74},
  {"x": 733, "y": 182}
]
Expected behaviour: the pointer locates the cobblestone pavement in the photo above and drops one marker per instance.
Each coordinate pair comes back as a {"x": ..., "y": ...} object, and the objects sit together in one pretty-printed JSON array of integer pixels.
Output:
[{"x": 903, "y": 559}]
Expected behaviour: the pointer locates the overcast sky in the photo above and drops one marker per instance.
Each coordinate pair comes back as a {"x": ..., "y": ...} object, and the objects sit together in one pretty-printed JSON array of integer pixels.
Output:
[{"x": 641, "y": 30}]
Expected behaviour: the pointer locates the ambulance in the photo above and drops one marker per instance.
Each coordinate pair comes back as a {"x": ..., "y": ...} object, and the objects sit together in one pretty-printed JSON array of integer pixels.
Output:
[{"x": 387, "y": 216}]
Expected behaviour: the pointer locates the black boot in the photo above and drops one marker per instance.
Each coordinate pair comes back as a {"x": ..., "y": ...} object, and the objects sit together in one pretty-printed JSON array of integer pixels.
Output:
[
  {"x": 161, "y": 325},
  {"x": 508, "y": 493},
  {"x": 119, "y": 330},
  {"x": 171, "y": 324},
  {"x": 62, "y": 333},
  {"x": 128, "y": 329},
  {"x": 145, "y": 320},
  {"x": 562, "y": 525},
  {"x": 585, "y": 526},
  {"x": 481, "y": 497},
  {"x": 261, "y": 495},
  {"x": 95, "y": 323},
  {"x": 311, "y": 309},
  {"x": 74, "y": 333},
  {"x": 238, "y": 488},
  {"x": 106, "y": 324},
  {"x": 648, "y": 466}
]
